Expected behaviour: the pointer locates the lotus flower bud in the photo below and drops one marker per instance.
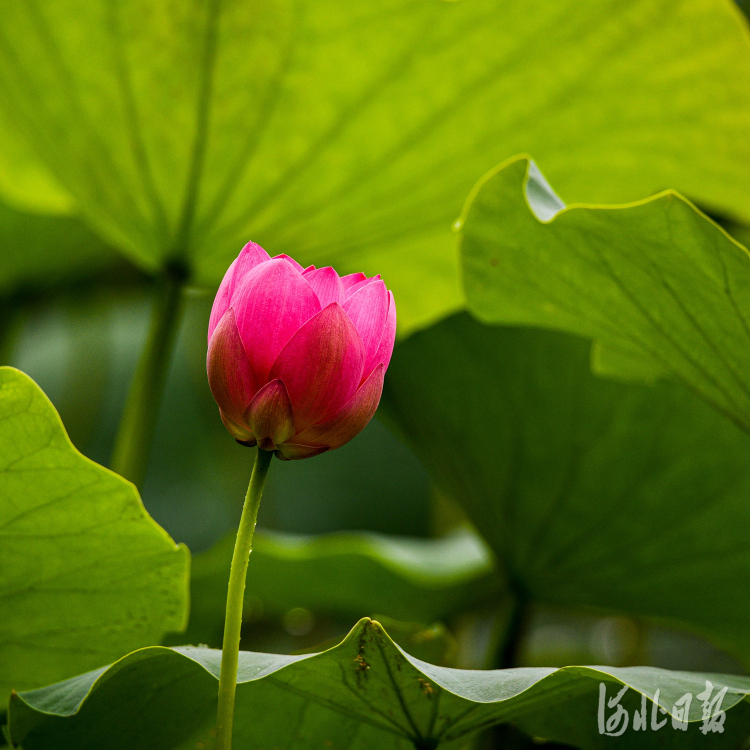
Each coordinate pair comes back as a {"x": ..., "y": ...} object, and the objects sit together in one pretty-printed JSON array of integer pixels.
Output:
[{"x": 296, "y": 357}]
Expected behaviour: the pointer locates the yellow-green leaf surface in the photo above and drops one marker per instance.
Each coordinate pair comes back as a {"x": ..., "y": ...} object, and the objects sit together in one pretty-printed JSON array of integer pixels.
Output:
[
  {"x": 348, "y": 575},
  {"x": 25, "y": 182},
  {"x": 39, "y": 250},
  {"x": 350, "y": 133},
  {"x": 661, "y": 288},
  {"x": 363, "y": 694},
  {"x": 595, "y": 495},
  {"x": 85, "y": 574}
]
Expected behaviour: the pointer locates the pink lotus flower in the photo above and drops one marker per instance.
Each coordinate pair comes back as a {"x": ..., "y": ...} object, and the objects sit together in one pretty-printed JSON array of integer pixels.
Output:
[{"x": 296, "y": 357}]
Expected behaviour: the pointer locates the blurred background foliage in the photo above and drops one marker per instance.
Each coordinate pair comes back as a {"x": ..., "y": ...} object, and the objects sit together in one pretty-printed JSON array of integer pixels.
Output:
[{"x": 351, "y": 136}]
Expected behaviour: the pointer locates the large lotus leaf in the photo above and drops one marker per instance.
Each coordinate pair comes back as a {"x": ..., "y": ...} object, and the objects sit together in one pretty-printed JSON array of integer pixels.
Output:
[
  {"x": 593, "y": 493},
  {"x": 348, "y": 133},
  {"x": 25, "y": 182},
  {"x": 85, "y": 575},
  {"x": 363, "y": 693},
  {"x": 43, "y": 250},
  {"x": 347, "y": 575},
  {"x": 661, "y": 288}
]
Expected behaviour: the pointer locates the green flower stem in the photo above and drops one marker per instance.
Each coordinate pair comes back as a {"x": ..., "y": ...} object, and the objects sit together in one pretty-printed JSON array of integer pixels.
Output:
[
  {"x": 510, "y": 642},
  {"x": 7, "y": 319},
  {"x": 135, "y": 436},
  {"x": 507, "y": 647},
  {"x": 235, "y": 597}
]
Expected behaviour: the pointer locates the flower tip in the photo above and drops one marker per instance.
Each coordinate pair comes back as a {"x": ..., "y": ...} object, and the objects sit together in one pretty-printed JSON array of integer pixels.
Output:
[
  {"x": 251, "y": 247},
  {"x": 290, "y": 260}
]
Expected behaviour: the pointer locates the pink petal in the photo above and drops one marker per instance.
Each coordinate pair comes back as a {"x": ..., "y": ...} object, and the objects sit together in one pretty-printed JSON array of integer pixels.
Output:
[
  {"x": 327, "y": 285},
  {"x": 250, "y": 256},
  {"x": 385, "y": 348},
  {"x": 238, "y": 432},
  {"x": 351, "y": 419},
  {"x": 289, "y": 260},
  {"x": 221, "y": 300},
  {"x": 308, "y": 270},
  {"x": 272, "y": 302},
  {"x": 354, "y": 288},
  {"x": 270, "y": 415},
  {"x": 230, "y": 375},
  {"x": 321, "y": 366},
  {"x": 352, "y": 279},
  {"x": 368, "y": 310}
]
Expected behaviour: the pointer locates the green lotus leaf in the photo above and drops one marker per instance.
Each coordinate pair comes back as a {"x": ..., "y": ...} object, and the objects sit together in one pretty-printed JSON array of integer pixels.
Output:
[
  {"x": 594, "y": 494},
  {"x": 85, "y": 574},
  {"x": 349, "y": 134},
  {"x": 40, "y": 250},
  {"x": 344, "y": 575},
  {"x": 661, "y": 288},
  {"x": 25, "y": 182},
  {"x": 363, "y": 693}
]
